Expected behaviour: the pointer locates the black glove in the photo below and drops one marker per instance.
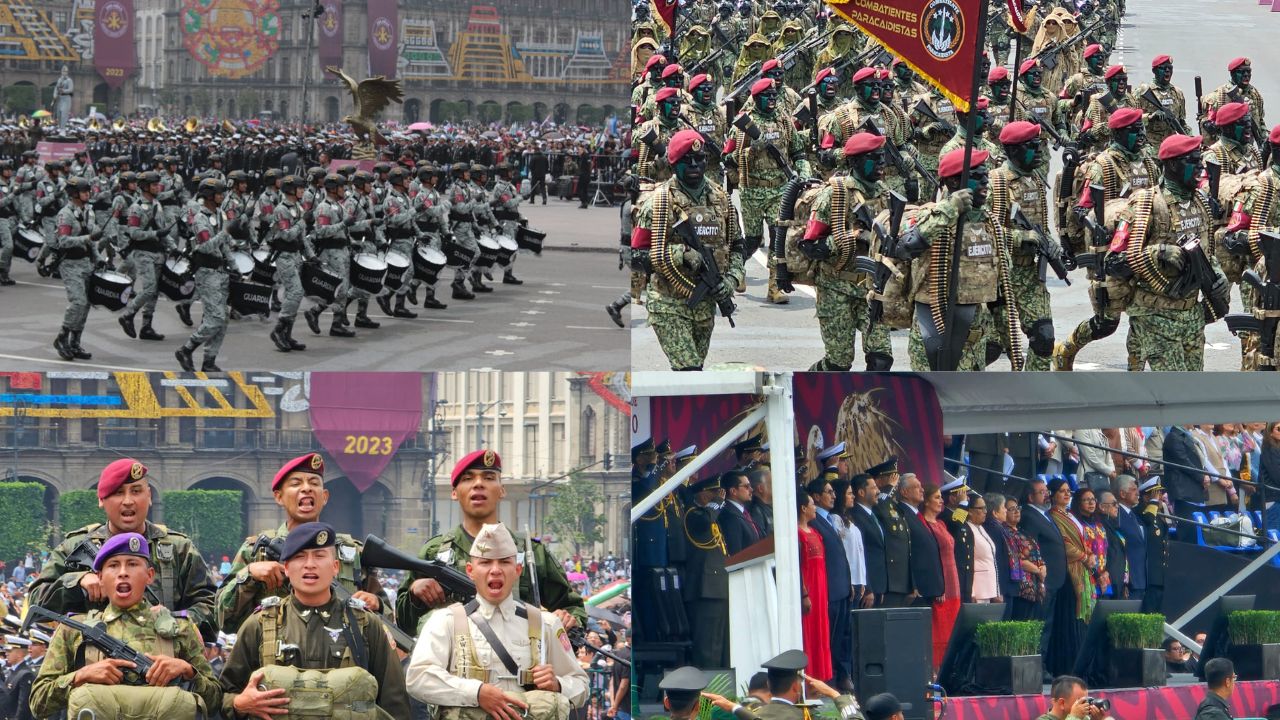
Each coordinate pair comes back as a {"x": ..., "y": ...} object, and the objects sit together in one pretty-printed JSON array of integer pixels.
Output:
[
  {"x": 819, "y": 249},
  {"x": 349, "y": 220},
  {"x": 783, "y": 277},
  {"x": 640, "y": 261},
  {"x": 1237, "y": 243}
]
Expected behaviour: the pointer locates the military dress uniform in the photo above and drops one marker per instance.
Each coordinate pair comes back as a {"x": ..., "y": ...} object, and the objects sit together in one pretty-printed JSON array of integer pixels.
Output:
[
  {"x": 15, "y": 700},
  {"x": 705, "y": 583},
  {"x": 1156, "y": 532},
  {"x": 897, "y": 553}
]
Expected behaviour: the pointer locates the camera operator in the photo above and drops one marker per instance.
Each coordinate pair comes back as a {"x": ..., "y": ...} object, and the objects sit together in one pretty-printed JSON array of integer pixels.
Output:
[{"x": 1071, "y": 701}]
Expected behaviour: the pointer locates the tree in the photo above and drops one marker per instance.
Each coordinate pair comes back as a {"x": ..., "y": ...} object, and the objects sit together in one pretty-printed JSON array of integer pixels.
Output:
[{"x": 571, "y": 514}]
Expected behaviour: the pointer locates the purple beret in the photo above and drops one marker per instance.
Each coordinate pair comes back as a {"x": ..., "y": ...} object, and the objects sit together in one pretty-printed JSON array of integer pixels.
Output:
[{"x": 122, "y": 544}]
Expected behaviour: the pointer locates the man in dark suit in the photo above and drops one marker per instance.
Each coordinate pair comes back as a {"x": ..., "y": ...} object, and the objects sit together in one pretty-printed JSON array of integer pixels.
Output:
[
  {"x": 538, "y": 169},
  {"x": 1186, "y": 487},
  {"x": 926, "y": 563},
  {"x": 873, "y": 538},
  {"x": 18, "y": 676},
  {"x": 1117, "y": 555},
  {"x": 1036, "y": 524},
  {"x": 897, "y": 536},
  {"x": 736, "y": 524},
  {"x": 761, "y": 507},
  {"x": 839, "y": 585},
  {"x": 1156, "y": 531},
  {"x": 1135, "y": 537},
  {"x": 706, "y": 584}
]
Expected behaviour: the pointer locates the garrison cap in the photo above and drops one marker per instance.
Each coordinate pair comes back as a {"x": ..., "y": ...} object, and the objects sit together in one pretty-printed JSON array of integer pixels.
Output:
[
  {"x": 1113, "y": 71},
  {"x": 682, "y": 142},
  {"x": 887, "y": 467},
  {"x": 863, "y": 142},
  {"x": 122, "y": 544},
  {"x": 1159, "y": 60},
  {"x": 1092, "y": 49},
  {"x": 1237, "y": 62},
  {"x": 1123, "y": 118},
  {"x": 307, "y": 536},
  {"x": 124, "y": 470},
  {"x": 1230, "y": 113},
  {"x": 494, "y": 542},
  {"x": 309, "y": 463},
  {"x": 760, "y": 86},
  {"x": 475, "y": 460},
  {"x": 1178, "y": 145},
  {"x": 953, "y": 162},
  {"x": 1019, "y": 131}
]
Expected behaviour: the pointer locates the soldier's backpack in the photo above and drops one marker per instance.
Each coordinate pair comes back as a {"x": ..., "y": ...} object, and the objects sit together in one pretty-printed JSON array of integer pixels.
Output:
[
  {"x": 896, "y": 300},
  {"x": 803, "y": 270},
  {"x": 133, "y": 702},
  {"x": 348, "y": 693}
]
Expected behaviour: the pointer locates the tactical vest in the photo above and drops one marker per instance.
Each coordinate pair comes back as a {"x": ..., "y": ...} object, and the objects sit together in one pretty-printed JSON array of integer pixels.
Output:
[
  {"x": 671, "y": 277},
  {"x": 164, "y": 558},
  {"x": 1031, "y": 200},
  {"x": 132, "y": 702},
  {"x": 1155, "y": 288}
]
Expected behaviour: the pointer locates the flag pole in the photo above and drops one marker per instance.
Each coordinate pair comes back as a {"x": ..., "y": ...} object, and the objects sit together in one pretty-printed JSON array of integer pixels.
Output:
[{"x": 946, "y": 361}]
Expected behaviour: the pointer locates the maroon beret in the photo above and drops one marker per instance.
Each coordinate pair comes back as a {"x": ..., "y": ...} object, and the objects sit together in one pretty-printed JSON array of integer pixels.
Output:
[
  {"x": 1091, "y": 50},
  {"x": 654, "y": 59},
  {"x": 1159, "y": 60},
  {"x": 760, "y": 86},
  {"x": 1274, "y": 137},
  {"x": 1124, "y": 117},
  {"x": 665, "y": 93},
  {"x": 120, "y": 472},
  {"x": 309, "y": 463},
  {"x": 1178, "y": 145},
  {"x": 672, "y": 69},
  {"x": 1237, "y": 62},
  {"x": 1230, "y": 113},
  {"x": 863, "y": 142},
  {"x": 823, "y": 74},
  {"x": 997, "y": 74},
  {"x": 983, "y": 102},
  {"x": 1027, "y": 65},
  {"x": 1019, "y": 131},
  {"x": 681, "y": 143},
  {"x": 863, "y": 74},
  {"x": 1113, "y": 71},
  {"x": 488, "y": 459},
  {"x": 953, "y": 162},
  {"x": 770, "y": 64},
  {"x": 697, "y": 80}
]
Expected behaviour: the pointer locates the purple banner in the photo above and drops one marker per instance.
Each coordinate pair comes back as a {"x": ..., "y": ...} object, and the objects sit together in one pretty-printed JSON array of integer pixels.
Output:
[
  {"x": 361, "y": 418},
  {"x": 384, "y": 37},
  {"x": 331, "y": 35},
  {"x": 114, "y": 55}
]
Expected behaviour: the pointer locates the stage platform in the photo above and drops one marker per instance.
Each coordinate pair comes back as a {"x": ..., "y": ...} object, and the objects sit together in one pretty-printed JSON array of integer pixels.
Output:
[{"x": 1176, "y": 701}]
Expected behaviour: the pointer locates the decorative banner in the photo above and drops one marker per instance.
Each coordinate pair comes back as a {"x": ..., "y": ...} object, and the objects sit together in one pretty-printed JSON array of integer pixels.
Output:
[
  {"x": 666, "y": 10},
  {"x": 115, "y": 57},
  {"x": 361, "y": 418},
  {"x": 875, "y": 415},
  {"x": 936, "y": 38},
  {"x": 1016, "y": 18},
  {"x": 696, "y": 420},
  {"x": 331, "y": 36},
  {"x": 1251, "y": 699},
  {"x": 231, "y": 38},
  {"x": 50, "y": 151},
  {"x": 384, "y": 37}
]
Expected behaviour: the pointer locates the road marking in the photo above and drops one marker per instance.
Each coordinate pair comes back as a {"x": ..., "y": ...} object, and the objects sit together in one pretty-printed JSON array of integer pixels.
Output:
[
  {"x": 446, "y": 320},
  {"x": 193, "y": 383},
  {"x": 498, "y": 353},
  {"x": 1087, "y": 366},
  {"x": 72, "y": 363},
  {"x": 541, "y": 302},
  {"x": 548, "y": 292},
  {"x": 532, "y": 312},
  {"x": 69, "y": 375},
  {"x": 1217, "y": 346},
  {"x": 522, "y": 323},
  {"x": 55, "y": 287},
  {"x": 512, "y": 338},
  {"x": 591, "y": 327}
]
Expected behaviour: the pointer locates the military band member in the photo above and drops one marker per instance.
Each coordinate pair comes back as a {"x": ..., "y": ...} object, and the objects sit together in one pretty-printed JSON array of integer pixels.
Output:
[
  {"x": 210, "y": 256},
  {"x": 290, "y": 247},
  {"x": 76, "y": 241},
  {"x": 148, "y": 245},
  {"x": 495, "y": 656},
  {"x": 312, "y": 630},
  {"x": 332, "y": 245},
  {"x": 75, "y": 675},
  {"x": 505, "y": 198},
  {"x": 8, "y": 220}
]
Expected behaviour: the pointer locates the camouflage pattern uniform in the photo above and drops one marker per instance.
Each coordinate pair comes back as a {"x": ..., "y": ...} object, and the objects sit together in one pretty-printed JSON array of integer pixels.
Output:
[
  {"x": 1228, "y": 93},
  {"x": 288, "y": 241},
  {"x": 182, "y": 581},
  {"x": 399, "y": 229},
  {"x": 263, "y": 210},
  {"x": 25, "y": 179},
  {"x": 116, "y": 229},
  {"x": 75, "y": 225},
  {"x": 8, "y": 224},
  {"x": 211, "y": 256},
  {"x": 982, "y": 143},
  {"x": 504, "y": 196},
  {"x": 933, "y": 136},
  {"x": 139, "y": 627},
  {"x": 1236, "y": 159},
  {"x": 330, "y": 241},
  {"x": 462, "y": 204},
  {"x": 1009, "y": 186},
  {"x": 432, "y": 217},
  {"x": 1158, "y": 126},
  {"x": 147, "y": 252},
  {"x": 1039, "y": 104},
  {"x": 1099, "y": 134},
  {"x": 708, "y": 120}
]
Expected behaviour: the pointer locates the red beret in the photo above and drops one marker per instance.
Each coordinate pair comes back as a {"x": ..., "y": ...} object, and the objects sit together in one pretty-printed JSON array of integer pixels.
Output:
[
  {"x": 997, "y": 74},
  {"x": 654, "y": 59},
  {"x": 863, "y": 142},
  {"x": 864, "y": 74},
  {"x": 697, "y": 80},
  {"x": 760, "y": 86},
  {"x": 883, "y": 73},
  {"x": 1230, "y": 113},
  {"x": 770, "y": 64},
  {"x": 681, "y": 143},
  {"x": 983, "y": 102},
  {"x": 665, "y": 93},
  {"x": 672, "y": 69},
  {"x": 1159, "y": 60},
  {"x": 823, "y": 74},
  {"x": 1178, "y": 145},
  {"x": 124, "y": 470},
  {"x": 1091, "y": 50},
  {"x": 1237, "y": 62},
  {"x": 1027, "y": 65},
  {"x": 1124, "y": 117},
  {"x": 1019, "y": 131},
  {"x": 896, "y": 62},
  {"x": 1113, "y": 71},
  {"x": 953, "y": 162},
  {"x": 479, "y": 459},
  {"x": 1274, "y": 137},
  {"x": 309, "y": 463}
]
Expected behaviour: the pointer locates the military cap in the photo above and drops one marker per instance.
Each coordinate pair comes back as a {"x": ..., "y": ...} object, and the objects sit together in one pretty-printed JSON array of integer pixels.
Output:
[
  {"x": 952, "y": 163},
  {"x": 1230, "y": 113},
  {"x": 494, "y": 542},
  {"x": 791, "y": 661},
  {"x": 863, "y": 142},
  {"x": 697, "y": 80},
  {"x": 710, "y": 482},
  {"x": 954, "y": 484},
  {"x": 832, "y": 451},
  {"x": 16, "y": 642},
  {"x": 30, "y": 155},
  {"x": 682, "y": 143},
  {"x": 655, "y": 59},
  {"x": 39, "y": 637},
  {"x": 1019, "y": 131},
  {"x": 309, "y": 463},
  {"x": 1124, "y": 117},
  {"x": 671, "y": 69},
  {"x": 665, "y": 94},
  {"x": 1274, "y": 136},
  {"x": 1091, "y": 50},
  {"x": 760, "y": 86},
  {"x": 998, "y": 73},
  {"x": 982, "y": 103},
  {"x": 644, "y": 446},
  {"x": 1159, "y": 60},
  {"x": 881, "y": 707},
  {"x": 664, "y": 446},
  {"x": 122, "y": 544},
  {"x": 1113, "y": 71},
  {"x": 307, "y": 536},
  {"x": 1027, "y": 65},
  {"x": 1151, "y": 483},
  {"x": 748, "y": 445},
  {"x": 683, "y": 685},
  {"x": 887, "y": 467},
  {"x": 864, "y": 74},
  {"x": 1178, "y": 145},
  {"x": 475, "y": 460},
  {"x": 120, "y": 472},
  {"x": 685, "y": 454},
  {"x": 1237, "y": 62}
]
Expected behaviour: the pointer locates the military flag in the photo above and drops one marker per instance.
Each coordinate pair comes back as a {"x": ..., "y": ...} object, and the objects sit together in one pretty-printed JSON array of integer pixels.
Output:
[{"x": 666, "y": 9}]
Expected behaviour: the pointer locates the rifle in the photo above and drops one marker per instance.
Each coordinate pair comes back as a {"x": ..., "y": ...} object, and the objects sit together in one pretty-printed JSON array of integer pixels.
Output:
[
  {"x": 1213, "y": 171},
  {"x": 1048, "y": 57},
  {"x": 1099, "y": 238},
  {"x": 533, "y": 568},
  {"x": 1058, "y": 141},
  {"x": 1266, "y": 298},
  {"x": 1199, "y": 275},
  {"x": 879, "y": 269},
  {"x": 922, "y": 108},
  {"x": 1202, "y": 118},
  {"x": 1258, "y": 137},
  {"x": 1044, "y": 245},
  {"x": 812, "y": 97},
  {"x": 1178, "y": 124},
  {"x": 709, "y": 280},
  {"x": 80, "y": 559},
  {"x": 707, "y": 140},
  {"x": 699, "y": 66},
  {"x": 744, "y": 123},
  {"x": 895, "y": 156},
  {"x": 96, "y": 635}
]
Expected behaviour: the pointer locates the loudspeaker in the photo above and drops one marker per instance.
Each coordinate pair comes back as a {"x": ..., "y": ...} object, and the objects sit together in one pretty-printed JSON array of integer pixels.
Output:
[{"x": 893, "y": 653}]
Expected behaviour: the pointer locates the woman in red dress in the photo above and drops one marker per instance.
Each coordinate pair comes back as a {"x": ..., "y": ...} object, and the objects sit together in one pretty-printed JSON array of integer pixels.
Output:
[
  {"x": 813, "y": 592},
  {"x": 946, "y": 607}
]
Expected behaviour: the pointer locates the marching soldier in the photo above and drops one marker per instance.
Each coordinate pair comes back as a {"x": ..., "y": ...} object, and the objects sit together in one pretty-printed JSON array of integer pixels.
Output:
[
  {"x": 1101, "y": 107},
  {"x": 1234, "y": 151},
  {"x": 361, "y": 207},
  {"x": 1000, "y": 88},
  {"x": 265, "y": 206},
  {"x": 298, "y": 488},
  {"x": 644, "y": 91},
  {"x": 26, "y": 178},
  {"x": 754, "y": 50},
  {"x": 932, "y": 135},
  {"x": 981, "y": 129},
  {"x": 67, "y": 583},
  {"x": 400, "y": 230},
  {"x": 505, "y": 199},
  {"x": 147, "y": 248},
  {"x": 462, "y": 208},
  {"x": 76, "y": 243},
  {"x": 1038, "y": 105},
  {"x": 290, "y": 248},
  {"x": 8, "y": 220},
  {"x": 1240, "y": 90},
  {"x": 842, "y": 295},
  {"x": 76, "y": 676},
  {"x": 848, "y": 119},
  {"x": 431, "y": 213},
  {"x": 331, "y": 242},
  {"x": 706, "y": 118},
  {"x": 495, "y": 656},
  {"x": 673, "y": 261},
  {"x": 1256, "y": 211},
  {"x": 1168, "y": 115},
  {"x": 210, "y": 256},
  {"x": 672, "y": 77},
  {"x": 1091, "y": 78},
  {"x": 482, "y": 217},
  {"x": 1161, "y": 233},
  {"x": 289, "y": 648},
  {"x": 477, "y": 487},
  {"x": 115, "y": 229}
]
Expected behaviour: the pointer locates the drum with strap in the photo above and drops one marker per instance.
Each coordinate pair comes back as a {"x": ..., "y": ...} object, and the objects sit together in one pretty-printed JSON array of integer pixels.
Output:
[
  {"x": 427, "y": 263},
  {"x": 368, "y": 272},
  {"x": 397, "y": 268},
  {"x": 530, "y": 240},
  {"x": 319, "y": 283},
  {"x": 110, "y": 289},
  {"x": 488, "y": 251},
  {"x": 243, "y": 262},
  {"x": 457, "y": 254},
  {"x": 176, "y": 281},
  {"x": 264, "y": 268},
  {"x": 249, "y": 298},
  {"x": 507, "y": 249},
  {"x": 27, "y": 244}
]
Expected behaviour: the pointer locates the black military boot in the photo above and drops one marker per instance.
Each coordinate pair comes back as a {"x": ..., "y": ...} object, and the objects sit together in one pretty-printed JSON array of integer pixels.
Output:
[
  {"x": 280, "y": 335},
  {"x": 384, "y": 302},
  {"x": 313, "y": 319},
  {"x": 79, "y": 352},
  {"x": 460, "y": 291},
  {"x": 6, "y": 280},
  {"x": 413, "y": 292},
  {"x": 208, "y": 365},
  {"x": 509, "y": 278},
  {"x": 147, "y": 332},
  {"x": 362, "y": 317},
  {"x": 293, "y": 344},
  {"x": 340, "y": 329},
  {"x": 62, "y": 345},
  {"x": 477, "y": 285},
  {"x": 615, "y": 309},
  {"x": 126, "y": 322},
  {"x": 184, "y": 314},
  {"x": 184, "y": 356},
  {"x": 430, "y": 301}
]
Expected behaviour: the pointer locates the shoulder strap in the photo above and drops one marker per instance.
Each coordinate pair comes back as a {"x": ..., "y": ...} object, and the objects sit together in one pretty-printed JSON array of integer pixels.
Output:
[
  {"x": 269, "y": 624},
  {"x": 535, "y": 634},
  {"x": 491, "y": 637},
  {"x": 355, "y": 640}
]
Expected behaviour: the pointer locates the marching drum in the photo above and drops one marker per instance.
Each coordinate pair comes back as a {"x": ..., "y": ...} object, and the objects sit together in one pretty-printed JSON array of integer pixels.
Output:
[
  {"x": 457, "y": 254},
  {"x": 243, "y": 262},
  {"x": 488, "y": 251},
  {"x": 176, "y": 281},
  {"x": 264, "y": 268},
  {"x": 427, "y": 263},
  {"x": 249, "y": 298},
  {"x": 368, "y": 272},
  {"x": 530, "y": 240},
  {"x": 27, "y": 244},
  {"x": 397, "y": 268},
  {"x": 507, "y": 249},
  {"x": 319, "y": 283},
  {"x": 110, "y": 289}
]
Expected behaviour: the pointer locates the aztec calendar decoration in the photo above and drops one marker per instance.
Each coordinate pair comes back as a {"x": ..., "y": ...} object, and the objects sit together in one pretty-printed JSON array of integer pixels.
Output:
[{"x": 232, "y": 38}]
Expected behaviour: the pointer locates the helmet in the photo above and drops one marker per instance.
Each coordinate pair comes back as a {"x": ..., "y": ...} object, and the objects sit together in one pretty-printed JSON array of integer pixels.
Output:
[
  {"x": 271, "y": 175},
  {"x": 30, "y": 155},
  {"x": 148, "y": 177},
  {"x": 347, "y": 170},
  {"x": 238, "y": 176},
  {"x": 382, "y": 168},
  {"x": 128, "y": 176},
  {"x": 459, "y": 167},
  {"x": 398, "y": 176},
  {"x": 362, "y": 177},
  {"x": 425, "y": 171},
  {"x": 52, "y": 165},
  {"x": 209, "y": 187},
  {"x": 292, "y": 183},
  {"x": 315, "y": 173},
  {"x": 333, "y": 181},
  {"x": 216, "y": 157},
  {"x": 478, "y": 169},
  {"x": 6, "y": 164},
  {"x": 77, "y": 184}
]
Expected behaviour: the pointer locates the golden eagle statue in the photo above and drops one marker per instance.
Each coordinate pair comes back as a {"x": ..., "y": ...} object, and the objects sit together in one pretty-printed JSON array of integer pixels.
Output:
[{"x": 371, "y": 96}]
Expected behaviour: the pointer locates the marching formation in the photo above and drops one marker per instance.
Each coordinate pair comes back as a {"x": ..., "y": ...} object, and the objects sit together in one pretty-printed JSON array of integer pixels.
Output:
[
  {"x": 122, "y": 230},
  {"x": 850, "y": 177}
]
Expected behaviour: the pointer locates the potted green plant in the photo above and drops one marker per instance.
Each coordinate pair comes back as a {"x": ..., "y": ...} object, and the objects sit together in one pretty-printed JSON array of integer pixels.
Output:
[
  {"x": 1009, "y": 657},
  {"x": 1135, "y": 659},
  {"x": 1255, "y": 643}
]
